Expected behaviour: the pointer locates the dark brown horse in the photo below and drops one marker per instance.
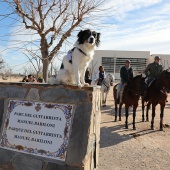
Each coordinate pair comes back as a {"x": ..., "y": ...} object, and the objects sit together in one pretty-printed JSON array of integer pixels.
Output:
[
  {"x": 132, "y": 92},
  {"x": 157, "y": 94}
]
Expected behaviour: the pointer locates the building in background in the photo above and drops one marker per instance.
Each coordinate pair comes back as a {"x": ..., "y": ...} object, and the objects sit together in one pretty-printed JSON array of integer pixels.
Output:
[{"x": 113, "y": 60}]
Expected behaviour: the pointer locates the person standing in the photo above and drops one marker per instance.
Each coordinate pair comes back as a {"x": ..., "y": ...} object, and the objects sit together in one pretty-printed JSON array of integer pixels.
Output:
[
  {"x": 100, "y": 76},
  {"x": 126, "y": 74},
  {"x": 87, "y": 76}
]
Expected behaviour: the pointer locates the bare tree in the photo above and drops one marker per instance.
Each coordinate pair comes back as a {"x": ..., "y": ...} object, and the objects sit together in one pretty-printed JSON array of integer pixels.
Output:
[
  {"x": 53, "y": 21},
  {"x": 35, "y": 61},
  {"x": 1, "y": 63}
]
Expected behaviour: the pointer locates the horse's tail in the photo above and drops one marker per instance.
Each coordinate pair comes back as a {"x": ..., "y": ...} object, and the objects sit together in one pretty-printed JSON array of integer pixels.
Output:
[{"x": 115, "y": 91}]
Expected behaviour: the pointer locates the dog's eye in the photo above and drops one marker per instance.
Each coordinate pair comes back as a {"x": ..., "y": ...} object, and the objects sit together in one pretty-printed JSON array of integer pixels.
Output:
[
  {"x": 88, "y": 32},
  {"x": 94, "y": 34}
]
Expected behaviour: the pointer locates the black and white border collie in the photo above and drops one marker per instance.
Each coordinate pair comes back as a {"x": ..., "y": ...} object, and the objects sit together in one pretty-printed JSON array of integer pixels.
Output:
[{"x": 75, "y": 63}]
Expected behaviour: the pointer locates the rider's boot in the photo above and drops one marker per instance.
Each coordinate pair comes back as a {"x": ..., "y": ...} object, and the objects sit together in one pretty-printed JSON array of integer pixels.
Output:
[{"x": 121, "y": 95}]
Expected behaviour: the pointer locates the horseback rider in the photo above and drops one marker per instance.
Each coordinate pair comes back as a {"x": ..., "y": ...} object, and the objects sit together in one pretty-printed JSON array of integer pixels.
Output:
[
  {"x": 153, "y": 70},
  {"x": 100, "y": 76},
  {"x": 126, "y": 74}
]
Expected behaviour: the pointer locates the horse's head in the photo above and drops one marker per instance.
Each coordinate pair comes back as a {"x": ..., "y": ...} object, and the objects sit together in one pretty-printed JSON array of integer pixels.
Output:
[
  {"x": 138, "y": 84},
  {"x": 110, "y": 78},
  {"x": 164, "y": 79}
]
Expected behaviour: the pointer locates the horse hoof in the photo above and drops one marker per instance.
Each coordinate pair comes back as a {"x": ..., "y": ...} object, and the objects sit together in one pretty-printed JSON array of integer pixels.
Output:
[
  {"x": 152, "y": 128},
  {"x": 115, "y": 120},
  {"x": 142, "y": 120},
  {"x": 104, "y": 106},
  {"x": 120, "y": 119},
  {"x": 134, "y": 128},
  {"x": 161, "y": 129},
  {"x": 126, "y": 127}
]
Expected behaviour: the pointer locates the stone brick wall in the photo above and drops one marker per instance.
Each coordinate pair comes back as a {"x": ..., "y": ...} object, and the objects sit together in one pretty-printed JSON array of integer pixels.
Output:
[{"x": 83, "y": 147}]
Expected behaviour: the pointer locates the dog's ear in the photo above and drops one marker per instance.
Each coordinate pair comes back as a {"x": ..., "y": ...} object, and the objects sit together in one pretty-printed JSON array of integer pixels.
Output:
[
  {"x": 80, "y": 37},
  {"x": 79, "y": 34},
  {"x": 98, "y": 39}
]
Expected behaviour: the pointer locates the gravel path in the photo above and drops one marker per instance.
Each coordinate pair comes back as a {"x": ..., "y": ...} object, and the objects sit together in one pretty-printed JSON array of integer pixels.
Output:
[{"x": 140, "y": 149}]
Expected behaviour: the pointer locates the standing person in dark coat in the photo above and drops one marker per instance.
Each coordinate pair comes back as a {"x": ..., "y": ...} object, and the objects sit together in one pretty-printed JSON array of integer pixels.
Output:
[
  {"x": 100, "y": 75},
  {"x": 126, "y": 74},
  {"x": 87, "y": 76}
]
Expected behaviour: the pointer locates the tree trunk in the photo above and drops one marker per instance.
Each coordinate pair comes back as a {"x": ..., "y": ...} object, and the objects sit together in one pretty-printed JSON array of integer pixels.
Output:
[
  {"x": 45, "y": 56},
  {"x": 45, "y": 69}
]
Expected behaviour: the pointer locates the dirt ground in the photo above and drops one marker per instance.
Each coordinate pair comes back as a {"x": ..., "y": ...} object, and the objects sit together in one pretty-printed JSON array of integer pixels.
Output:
[
  {"x": 140, "y": 149},
  {"x": 12, "y": 79}
]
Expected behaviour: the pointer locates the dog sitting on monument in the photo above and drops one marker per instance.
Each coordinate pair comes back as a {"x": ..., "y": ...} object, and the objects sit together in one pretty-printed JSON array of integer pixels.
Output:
[{"x": 75, "y": 63}]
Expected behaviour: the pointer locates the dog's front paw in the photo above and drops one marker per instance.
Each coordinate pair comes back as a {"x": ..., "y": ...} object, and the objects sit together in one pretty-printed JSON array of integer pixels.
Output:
[
  {"x": 80, "y": 85},
  {"x": 86, "y": 84}
]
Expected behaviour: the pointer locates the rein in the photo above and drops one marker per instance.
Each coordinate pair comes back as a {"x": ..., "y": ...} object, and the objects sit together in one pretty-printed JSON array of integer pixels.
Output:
[
  {"x": 160, "y": 89},
  {"x": 136, "y": 93},
  {"x": 105, "y": 85}
]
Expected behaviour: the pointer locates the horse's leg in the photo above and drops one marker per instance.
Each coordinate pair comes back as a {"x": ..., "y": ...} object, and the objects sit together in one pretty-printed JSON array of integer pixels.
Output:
[
  {"x": 106, "y": 97},
  {"x": 120, "y": 109},
  {"x": 127, "y": 114},
  {"x": 147, "y": 111},
  {"x": 115, "y": 110},
  {"x": 102, "y": 96},
  {"x": 162, "y": 115},
  {"x": 134, "y": 116},
  {"x": 143, "y": 108},
  {"x": 115, "y": 99},
  {"x": 153, "y": 115}
]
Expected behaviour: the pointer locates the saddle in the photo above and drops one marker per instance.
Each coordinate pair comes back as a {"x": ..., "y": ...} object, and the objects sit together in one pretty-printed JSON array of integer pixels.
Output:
[
  {"x": 120, "y": 93},
  {"x": 149, "y": 84}
]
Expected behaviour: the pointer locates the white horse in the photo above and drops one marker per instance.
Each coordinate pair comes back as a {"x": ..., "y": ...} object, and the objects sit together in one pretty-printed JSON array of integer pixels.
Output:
[{"x": 105, "y": 87}]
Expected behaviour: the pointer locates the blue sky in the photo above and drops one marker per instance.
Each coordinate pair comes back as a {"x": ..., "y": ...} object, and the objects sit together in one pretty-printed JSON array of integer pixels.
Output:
[{"x": 137, "y": 25}]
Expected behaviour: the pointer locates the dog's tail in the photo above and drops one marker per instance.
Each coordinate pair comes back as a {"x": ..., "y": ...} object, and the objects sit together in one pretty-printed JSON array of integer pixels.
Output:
[
  {"x": 51, "y": 80},
  {"x": 62, "y": 77}
]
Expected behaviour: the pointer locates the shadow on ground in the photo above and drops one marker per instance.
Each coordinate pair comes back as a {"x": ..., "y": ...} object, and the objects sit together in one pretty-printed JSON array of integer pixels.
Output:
[{"x": 113, "y": 133}]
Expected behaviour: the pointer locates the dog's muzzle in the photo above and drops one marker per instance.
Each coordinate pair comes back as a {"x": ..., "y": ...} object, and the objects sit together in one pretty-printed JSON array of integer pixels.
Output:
[{"x": 91, "y": 40}]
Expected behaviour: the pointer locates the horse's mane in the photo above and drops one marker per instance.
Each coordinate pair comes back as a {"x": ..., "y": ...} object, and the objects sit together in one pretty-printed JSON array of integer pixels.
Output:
[
  {"x": 129, "y": 84},
  {"x": 160, "y": 75}
]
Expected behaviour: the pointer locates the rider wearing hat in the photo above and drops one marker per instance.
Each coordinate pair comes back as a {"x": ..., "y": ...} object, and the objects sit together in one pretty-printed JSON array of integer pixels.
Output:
[
  {"x": 126, "y": 74},
  {"x": 153, "y": 69}
]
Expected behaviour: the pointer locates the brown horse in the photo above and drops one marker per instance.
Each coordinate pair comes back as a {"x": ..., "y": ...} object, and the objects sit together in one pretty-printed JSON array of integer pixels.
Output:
[
  {"x": 157, "y": 94},
  {"x": 132, "y": 92}
]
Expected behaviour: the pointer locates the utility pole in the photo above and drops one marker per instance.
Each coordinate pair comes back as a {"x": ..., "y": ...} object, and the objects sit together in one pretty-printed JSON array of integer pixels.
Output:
[{"x": 115, "y": 57}]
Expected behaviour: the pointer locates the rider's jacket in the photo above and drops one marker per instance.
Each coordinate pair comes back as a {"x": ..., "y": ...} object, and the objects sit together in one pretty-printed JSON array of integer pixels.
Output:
[
  {"x": 153, "y": 70},
  {"x": 126, "y": 74}
]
